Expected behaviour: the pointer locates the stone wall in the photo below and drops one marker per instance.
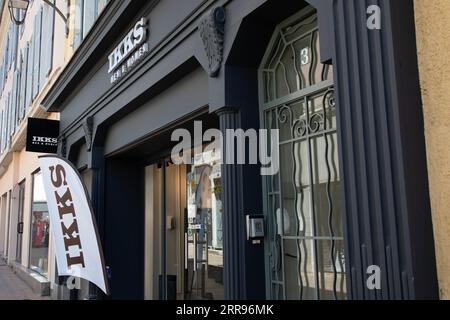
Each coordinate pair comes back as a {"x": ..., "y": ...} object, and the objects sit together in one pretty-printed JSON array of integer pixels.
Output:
[{"x": 433, "y": 41}]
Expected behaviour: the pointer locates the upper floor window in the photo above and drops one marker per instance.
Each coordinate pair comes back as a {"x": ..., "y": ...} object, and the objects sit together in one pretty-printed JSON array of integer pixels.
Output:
[
  {"x": 9, "y": 53},
  {"x": 84, "y": 12}
]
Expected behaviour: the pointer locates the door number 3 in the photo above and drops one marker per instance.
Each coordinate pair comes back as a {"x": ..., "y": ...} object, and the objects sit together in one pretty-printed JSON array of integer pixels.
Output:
[{"x": 304, "y": 56}]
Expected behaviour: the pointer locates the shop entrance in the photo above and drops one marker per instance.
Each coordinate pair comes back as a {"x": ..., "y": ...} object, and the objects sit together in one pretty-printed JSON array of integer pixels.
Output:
[
  {"x": 183, "y": 229},
  {"x": 305, "y": 235}
]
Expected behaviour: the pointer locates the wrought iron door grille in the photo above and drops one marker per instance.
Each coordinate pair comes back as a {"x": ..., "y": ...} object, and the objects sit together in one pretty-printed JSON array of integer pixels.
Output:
[{"x": 303, "y": 210}]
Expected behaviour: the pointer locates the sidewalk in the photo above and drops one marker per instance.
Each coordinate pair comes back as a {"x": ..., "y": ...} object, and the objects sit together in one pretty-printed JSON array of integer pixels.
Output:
[{"x": 13, "y": 288}]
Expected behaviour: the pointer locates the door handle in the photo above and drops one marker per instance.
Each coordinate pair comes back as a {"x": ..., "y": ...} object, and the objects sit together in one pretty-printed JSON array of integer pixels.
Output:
[{"x": 20, "y": 228}]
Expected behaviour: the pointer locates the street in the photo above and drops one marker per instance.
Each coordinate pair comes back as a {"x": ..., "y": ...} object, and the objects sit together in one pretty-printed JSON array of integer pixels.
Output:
[{"x": 13, "y": 288}]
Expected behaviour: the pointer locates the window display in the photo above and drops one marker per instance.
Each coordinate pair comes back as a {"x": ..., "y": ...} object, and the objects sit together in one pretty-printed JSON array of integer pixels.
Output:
[
  {"x": 40, "y": 228},
  {"x": 205, "y": 242}
]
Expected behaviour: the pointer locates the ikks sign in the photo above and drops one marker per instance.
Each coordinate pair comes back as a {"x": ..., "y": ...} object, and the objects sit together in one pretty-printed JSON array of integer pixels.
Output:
[
  {"x": 42, "y": 135},
  {"x": 131, "y": 50},
  {"x": 77, "y": 245}
]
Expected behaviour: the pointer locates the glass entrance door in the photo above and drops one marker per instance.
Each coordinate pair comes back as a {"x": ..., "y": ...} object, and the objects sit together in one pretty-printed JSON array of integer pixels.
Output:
[
  {"x": 164, "y": 232},
  {"x": 305, "y": 240},
  {"x": 184, "y": 246}
]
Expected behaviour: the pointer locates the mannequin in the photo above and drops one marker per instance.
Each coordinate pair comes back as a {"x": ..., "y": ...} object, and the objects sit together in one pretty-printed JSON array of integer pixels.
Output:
[{"x": 40, "y": 230}]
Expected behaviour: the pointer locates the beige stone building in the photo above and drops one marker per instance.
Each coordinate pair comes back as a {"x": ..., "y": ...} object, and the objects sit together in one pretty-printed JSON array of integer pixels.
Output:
[{"x": 433, "y": 45}]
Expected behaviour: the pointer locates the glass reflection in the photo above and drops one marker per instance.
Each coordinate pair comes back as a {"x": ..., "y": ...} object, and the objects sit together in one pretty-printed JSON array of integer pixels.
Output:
[{"x": 204, "y": 228}]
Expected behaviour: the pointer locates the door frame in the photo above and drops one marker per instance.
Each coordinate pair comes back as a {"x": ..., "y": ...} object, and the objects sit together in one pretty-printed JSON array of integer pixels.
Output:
[
  {"x": 20, "y": 220},
  {"x": 162, "y": 160}
]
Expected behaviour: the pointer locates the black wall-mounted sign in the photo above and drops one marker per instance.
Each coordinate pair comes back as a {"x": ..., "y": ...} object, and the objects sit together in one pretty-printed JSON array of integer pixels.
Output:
[{"x": 42, "y": 135}]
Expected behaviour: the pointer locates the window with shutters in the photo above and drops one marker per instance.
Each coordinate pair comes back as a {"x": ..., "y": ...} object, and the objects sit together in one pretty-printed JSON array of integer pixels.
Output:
[
  {"x": 6, "y": 57},
  {"x": 2, "y": 77},
  {"x": 46, "y": 54},
  {"x": 23, "y": 82},
  {"x": 89, "y": 10},
  {"x": 1, "y": 131},
  {"x": 14, "y": 104},
  {"x": 14, "y": 44},
  {"x": 3, "y": 71},
  {"x": 8, "y": 120},
  {"x": 1, "y": 128},
  {"x": 22, "y": 26},
  {"x": 37, "y": 52},
  {"x": 5, "y": 126},
  {"x": 29, "y": 88},
  {"x": 8, "y": 52}
]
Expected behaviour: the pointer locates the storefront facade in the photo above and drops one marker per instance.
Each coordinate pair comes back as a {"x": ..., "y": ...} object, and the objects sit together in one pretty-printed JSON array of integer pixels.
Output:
[{"x": 344, "y": 199}]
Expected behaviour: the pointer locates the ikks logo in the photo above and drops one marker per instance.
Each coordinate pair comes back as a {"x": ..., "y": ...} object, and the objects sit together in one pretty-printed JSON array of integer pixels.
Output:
[
  {"x": 75, "y": 237},
  {"x": 129, "y": 52},
  {"x": 68, "y": 216},
  {"x": 42, "y": 135},
  {"x": 45, "y": 141}
]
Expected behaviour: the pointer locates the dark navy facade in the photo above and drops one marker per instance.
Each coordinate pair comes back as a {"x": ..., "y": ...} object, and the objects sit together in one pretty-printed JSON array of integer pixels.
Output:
[{"x": 213, "y": 61}]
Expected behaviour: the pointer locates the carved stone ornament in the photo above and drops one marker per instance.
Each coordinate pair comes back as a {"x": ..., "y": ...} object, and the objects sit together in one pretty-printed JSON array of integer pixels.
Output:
[
  {"x": 88, "y": 127},
  {"x": 212, "y": 33}
]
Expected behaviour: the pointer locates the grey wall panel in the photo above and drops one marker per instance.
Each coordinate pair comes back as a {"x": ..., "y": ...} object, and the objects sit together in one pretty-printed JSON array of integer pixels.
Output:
[
  {"x": 87, "y": 94},
  {"x": 82, "y": 158},
  {"x": 184, "y": 97},
  {"x": 73, "y": 143},
  {"x": 161, "y": 25}
]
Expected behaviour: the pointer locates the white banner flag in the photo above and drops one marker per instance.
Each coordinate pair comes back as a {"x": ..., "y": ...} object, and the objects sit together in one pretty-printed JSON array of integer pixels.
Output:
[{"x": 77, "y": 245}]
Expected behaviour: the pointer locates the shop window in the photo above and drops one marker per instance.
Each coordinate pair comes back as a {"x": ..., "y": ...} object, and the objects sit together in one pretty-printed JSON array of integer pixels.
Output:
[{"x": 40, "y": 228}]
